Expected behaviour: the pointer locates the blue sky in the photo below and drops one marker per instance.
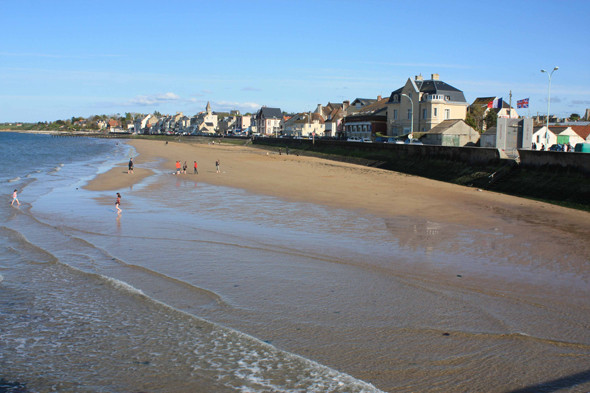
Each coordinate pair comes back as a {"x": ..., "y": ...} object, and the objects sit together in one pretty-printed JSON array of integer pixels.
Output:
[{"x": 79, "y": 58}]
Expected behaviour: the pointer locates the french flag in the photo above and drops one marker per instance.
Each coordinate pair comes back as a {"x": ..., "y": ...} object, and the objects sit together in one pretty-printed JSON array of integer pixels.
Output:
[{"x": 495, "y": 103}]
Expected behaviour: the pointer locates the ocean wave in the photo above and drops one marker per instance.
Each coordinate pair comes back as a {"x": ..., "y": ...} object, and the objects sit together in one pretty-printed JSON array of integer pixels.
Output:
[
  {"x": 254, "y": 365},
  {"x": 21, "y": 243},
  {"x": 13, "y": 179},
  {"x": 57, "y": 168},
  {"x": 118, "y": 284}
]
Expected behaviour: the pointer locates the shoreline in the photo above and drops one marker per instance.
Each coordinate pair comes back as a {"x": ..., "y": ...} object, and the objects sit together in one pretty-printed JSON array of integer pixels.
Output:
[{"x": 341, "y": 185}]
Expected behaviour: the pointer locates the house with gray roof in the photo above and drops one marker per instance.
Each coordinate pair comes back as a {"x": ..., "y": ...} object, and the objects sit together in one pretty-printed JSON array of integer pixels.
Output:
[
  {"x": 504, "y": 111},
  {"x": 269, "y": 121},
  {"x": 369, "y": 121},
  {"x": 421, "y": 104}
]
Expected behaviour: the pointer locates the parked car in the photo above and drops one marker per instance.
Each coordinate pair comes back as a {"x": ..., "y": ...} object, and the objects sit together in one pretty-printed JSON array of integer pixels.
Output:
[
  {"x": 413, "y": 142},
  {"x": 354, "y": 139},
  {"x": 582, "y": 148},
  {"x": 366, "y": 140}
]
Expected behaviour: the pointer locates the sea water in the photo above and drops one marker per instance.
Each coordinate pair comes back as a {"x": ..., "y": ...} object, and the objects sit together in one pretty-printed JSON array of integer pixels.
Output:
[
  {"x": 196, "y": 287},
  {"x": 69, "y": 325}
]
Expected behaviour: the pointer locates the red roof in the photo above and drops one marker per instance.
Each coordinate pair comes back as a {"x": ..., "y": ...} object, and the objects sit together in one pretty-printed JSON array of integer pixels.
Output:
[{"x": 582, "y": 131}]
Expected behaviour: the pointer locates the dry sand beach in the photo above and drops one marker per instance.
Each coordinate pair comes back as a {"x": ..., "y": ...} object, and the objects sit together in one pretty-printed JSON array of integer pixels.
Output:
[{"x": 497, "y": 301}]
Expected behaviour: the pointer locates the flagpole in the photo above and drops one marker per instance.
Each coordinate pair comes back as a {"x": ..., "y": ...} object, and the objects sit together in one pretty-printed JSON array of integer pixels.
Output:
[{"x": 548, "y": 103}]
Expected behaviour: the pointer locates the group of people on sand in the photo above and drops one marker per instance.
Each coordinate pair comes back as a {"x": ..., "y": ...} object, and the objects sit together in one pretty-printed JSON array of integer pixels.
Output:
[{"x": 181, "y": 168}]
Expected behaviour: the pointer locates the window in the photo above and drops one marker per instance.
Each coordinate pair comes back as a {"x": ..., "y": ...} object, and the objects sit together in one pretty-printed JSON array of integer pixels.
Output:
[
  {"x": 409, "y": 114},
  {"x": 447, "y": 114},
  {"x": 395, "y": 114},
  {"x": 435, "y": 112},
  {"x": 424, "y": 111}
]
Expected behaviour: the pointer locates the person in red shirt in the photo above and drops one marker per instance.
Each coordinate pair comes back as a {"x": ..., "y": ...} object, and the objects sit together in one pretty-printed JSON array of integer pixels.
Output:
[
  {"x": 178, "y": 167},
  {"x": 196, "y": 171}
]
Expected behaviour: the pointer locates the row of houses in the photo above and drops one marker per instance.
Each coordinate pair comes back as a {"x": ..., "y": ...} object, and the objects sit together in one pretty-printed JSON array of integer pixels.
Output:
[
  {"x": 203, "y": 122},
  {"x": 429, "y": 109}
]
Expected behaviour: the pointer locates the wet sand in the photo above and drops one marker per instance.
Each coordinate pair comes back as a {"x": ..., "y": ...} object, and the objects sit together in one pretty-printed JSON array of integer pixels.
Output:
[
  {"x": 549, "y": 238},
  {"x": 380, "y": 192}
]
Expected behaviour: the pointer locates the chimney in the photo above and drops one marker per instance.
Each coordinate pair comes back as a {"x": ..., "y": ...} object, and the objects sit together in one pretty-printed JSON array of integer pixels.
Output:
[
  {"x": 345, "y": 104},
  {"x": 435, "y": 77},
  {"x": 419, "y": 77},
  {"x": 379, "y": 98},
  {"x": 319, "y": 110}
]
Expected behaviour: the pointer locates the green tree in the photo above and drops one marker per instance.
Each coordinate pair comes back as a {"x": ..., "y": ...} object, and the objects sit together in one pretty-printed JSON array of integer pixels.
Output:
[
  {"x": 574, "y": 117},
  {"x": 491, "y": 118},
  {"x": 475, "y": 116}
]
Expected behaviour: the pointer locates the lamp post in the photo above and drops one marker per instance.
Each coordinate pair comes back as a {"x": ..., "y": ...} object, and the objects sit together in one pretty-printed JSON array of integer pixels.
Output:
[
  {"x": 549, "y": 74},
  {"x": 412, "y": 116}
]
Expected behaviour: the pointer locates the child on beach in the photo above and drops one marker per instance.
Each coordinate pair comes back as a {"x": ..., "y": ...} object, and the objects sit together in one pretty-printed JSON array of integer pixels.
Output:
[
  {"x": 196, "y": 171},
  {"x": 15, "y": 198},
  {"x": 118, "y": 203},
  {"x": 217, "y": 165},
  {"x": 184, "y": 166},
  {"x": 178, "y": 167},
  {"x": 130, "y": 170}
]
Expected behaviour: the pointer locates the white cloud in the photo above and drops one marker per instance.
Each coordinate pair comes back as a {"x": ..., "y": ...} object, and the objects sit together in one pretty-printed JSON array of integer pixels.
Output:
[
  {"x": 229, "y": 105},
  {"x": 154, "y": 99}
]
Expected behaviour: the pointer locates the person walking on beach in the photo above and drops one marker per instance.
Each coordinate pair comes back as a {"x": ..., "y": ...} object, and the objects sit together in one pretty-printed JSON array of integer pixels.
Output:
[
  {"x": 118, "y": 203},
  {"x": 217, "y": 165},
  {"x": 178, "y": 167},
  {"x": 196, "y": 172},
  {"x": 184, "y": 166},
  {"x": 130, "y": 170},
  {"x": 14, "y": 198}
]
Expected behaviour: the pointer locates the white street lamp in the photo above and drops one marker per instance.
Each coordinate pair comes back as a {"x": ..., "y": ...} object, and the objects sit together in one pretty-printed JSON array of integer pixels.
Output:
[
  {"x": 412, "y": 115},
  {"x": 549, "y": 74}
]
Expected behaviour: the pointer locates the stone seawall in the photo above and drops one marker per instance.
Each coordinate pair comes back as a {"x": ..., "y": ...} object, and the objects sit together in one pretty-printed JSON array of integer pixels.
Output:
[
  {"x": 555, "y": 160},
  {"x": 470, "y": 155}
]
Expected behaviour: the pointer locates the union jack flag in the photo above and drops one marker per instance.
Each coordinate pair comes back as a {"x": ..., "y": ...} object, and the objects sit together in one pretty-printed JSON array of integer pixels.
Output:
[{"x": 522, "y": 103}]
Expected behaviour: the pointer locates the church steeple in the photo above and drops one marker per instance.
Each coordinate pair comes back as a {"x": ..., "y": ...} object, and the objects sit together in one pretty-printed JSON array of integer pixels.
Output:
[{"x": 208, "y": 108}]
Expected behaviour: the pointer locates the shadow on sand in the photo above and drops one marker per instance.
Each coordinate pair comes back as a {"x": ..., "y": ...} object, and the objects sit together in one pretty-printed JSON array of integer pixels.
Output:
[{"x": 556, "y": 384}]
